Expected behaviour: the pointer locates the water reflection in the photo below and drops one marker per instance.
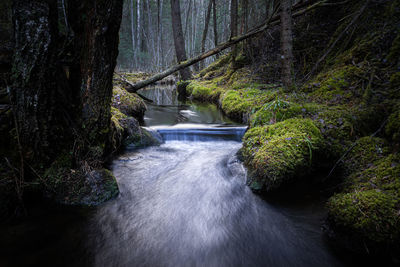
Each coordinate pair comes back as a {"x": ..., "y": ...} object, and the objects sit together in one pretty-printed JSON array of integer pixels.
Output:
[{"x": 166, "y": 109}]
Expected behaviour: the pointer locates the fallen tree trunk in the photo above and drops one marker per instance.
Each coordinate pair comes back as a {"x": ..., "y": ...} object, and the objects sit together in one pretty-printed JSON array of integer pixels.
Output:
[{"x": 273, "y": 21}]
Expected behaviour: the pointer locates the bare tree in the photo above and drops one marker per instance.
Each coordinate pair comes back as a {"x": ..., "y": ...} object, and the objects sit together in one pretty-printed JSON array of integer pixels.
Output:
[
  {"x": 215, "y": 24},
  {"x": 133, "y": 32},
  {"x": 286, "y": 43},
  {"x": 234, "y": 26},
  {"x": 178, "y": 37},
  {"x": 205, "y": 31}
]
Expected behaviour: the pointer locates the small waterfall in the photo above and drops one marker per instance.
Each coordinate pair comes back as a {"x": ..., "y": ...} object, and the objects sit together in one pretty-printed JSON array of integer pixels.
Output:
[{"x": 200, "y": 132}]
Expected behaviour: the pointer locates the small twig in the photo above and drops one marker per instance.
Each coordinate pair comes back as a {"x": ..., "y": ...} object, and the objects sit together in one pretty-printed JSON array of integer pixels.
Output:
[{"x": 355, "y": 18}]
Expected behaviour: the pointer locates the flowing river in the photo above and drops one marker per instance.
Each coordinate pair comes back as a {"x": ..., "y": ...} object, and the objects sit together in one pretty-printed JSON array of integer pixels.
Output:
[{"x": 183, "y": 203}]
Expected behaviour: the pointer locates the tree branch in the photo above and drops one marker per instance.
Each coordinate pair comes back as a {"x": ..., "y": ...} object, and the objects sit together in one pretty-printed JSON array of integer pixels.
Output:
[{"x": 273, "y": 21}]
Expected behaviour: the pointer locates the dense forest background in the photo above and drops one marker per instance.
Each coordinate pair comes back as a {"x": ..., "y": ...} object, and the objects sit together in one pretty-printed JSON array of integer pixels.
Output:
[{"x": 146, "y": 42}]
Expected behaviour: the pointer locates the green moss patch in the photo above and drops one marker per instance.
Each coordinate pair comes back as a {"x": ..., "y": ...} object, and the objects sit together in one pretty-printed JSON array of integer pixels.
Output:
[
  {"x": 204, "y": 90},
  {"x": 370, "y": 214},
  {"x": 369, "y": 206},
  {"x": 335, "y": 86},
  {"x": 280, "y": 152},
  {"x": 127, "y": 103}
]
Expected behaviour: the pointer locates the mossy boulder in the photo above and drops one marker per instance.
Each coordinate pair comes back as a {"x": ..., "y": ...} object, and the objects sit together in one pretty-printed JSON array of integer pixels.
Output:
[
  {"x": 279, "y": 153},
  {"x": 366, "y": 214},
  {"x": 128, "y": 103},
  {"x": 370, "y": 215},
  {"x": 70, "y": 184},
  {"x": 127, "y": 131}
]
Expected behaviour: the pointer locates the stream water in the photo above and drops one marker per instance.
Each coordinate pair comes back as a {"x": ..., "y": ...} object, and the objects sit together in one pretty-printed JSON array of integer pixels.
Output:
[{"x": 183, "y": 203}]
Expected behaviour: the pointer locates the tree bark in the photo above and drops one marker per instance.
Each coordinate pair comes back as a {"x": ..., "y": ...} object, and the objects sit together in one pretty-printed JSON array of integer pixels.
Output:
[
  {"x": 179, "y": 41},
  {"x": 286, "y": 44},
  {"x": 234, "y": 26},
  {"x": 133, "y": 32},
  {"x": 215, "y": 25},
  {"x": 38, "y": 81},
  {"x": 205, "y": 31},
  {"x": 138, "y": 33},
  {"x": 96, "y": 27}
]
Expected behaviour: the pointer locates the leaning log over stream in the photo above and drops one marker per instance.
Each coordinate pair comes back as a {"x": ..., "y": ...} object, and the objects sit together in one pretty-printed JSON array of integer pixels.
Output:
[{"x": 274, "y": 20}]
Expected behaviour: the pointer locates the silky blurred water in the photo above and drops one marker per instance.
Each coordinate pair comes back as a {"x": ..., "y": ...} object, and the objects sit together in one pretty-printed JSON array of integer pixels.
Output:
[
  {"x": 183, "y": 203},
  {"x": 186, "y": 203}
]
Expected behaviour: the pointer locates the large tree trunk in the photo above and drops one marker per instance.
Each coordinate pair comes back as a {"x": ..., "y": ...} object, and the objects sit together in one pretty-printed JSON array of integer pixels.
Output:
[
  {"x": 205, "y": 31},
  {"x": 61, "y": 95},
  {"x": 179, "y": 41},
  {"x": 38, "y": 93},
  {"x": 96, "y": 46},
  {"x": 286, "y": 43}
]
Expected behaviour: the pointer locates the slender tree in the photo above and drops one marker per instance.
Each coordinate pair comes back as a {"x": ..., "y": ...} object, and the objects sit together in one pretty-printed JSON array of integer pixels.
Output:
[
  {"x": 286, "y": 43},
  {"x": 234, "y": 26},
  {"x": 179, "y": 41},
  {"x": 133, "y": 31},
  {"x": 215, "y": 24},
  {"x": 205, "y": 31},
  {"x": 138, "y": 32}
]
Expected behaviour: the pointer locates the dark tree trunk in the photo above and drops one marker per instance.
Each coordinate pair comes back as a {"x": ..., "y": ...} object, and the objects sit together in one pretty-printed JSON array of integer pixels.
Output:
[
  {"x": 39, "y": 92},
  {"x": 286, "y": 43},
  {"x": 205, "y": 31},
  {"x": 179, "y": 41},
  {"x": 95, "y": 25}
]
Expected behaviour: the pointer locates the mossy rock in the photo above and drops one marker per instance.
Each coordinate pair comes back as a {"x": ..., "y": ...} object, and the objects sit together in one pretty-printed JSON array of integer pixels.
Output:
[
  {"x": 366, "y": 213},
  {"x": 82, "y": 186},
  {"x": 127, "y": 131},
  {"x": 371, "y": 216},
  {"x": 279, "y": 153},
  {"x": 144, "y": 138},
  {"x": 128, "y": 103}
]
